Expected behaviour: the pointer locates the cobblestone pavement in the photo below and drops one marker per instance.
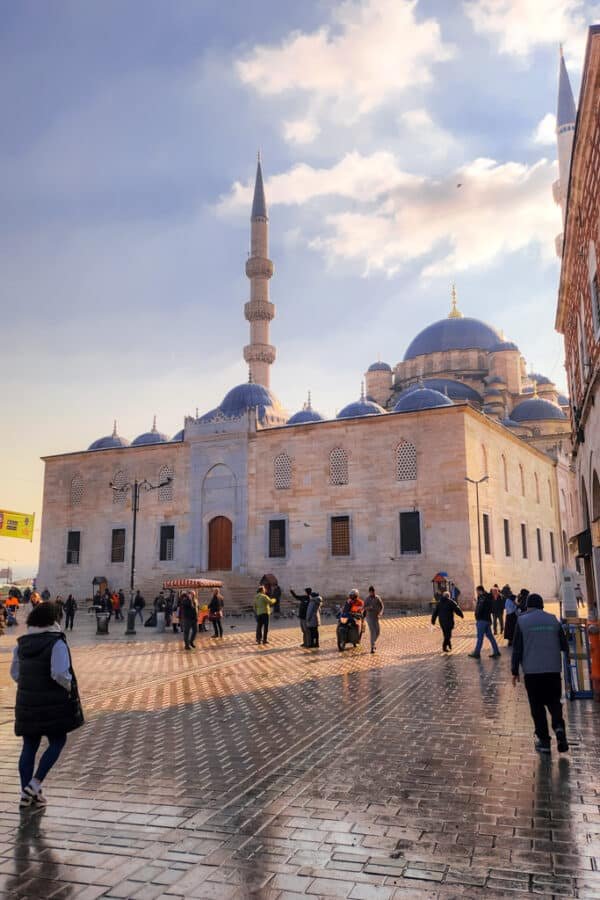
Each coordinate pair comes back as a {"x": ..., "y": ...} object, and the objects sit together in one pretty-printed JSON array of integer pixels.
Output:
[{"x": 277, "y": 772}]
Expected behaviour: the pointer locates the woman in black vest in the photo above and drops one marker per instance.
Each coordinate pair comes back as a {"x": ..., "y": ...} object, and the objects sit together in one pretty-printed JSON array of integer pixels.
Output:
[{"x": 47, "y": 698}]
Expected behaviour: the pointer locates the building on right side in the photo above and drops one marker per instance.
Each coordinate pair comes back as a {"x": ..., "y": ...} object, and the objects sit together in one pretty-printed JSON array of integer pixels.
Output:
[{"x": 578, "y": 310}]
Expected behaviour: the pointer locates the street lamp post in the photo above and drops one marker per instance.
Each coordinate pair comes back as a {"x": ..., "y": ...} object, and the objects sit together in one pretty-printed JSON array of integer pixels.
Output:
[
  {"x": 135, "y": 487},
  {"x": 477, "y": 483}
]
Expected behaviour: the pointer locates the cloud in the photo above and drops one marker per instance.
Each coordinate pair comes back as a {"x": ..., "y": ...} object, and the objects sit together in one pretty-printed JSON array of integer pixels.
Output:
[
  {"x": 519, "y": 26},
  {"x": 427, "y": 135},
  {"x": 370, "y": 51},
  {"x": 390, "y": 218},
  {"x": 545, "y": 133}
]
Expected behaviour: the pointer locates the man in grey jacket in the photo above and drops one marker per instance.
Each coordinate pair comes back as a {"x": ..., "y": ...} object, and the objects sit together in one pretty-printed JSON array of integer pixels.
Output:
[{"x": 537, "y": 645}]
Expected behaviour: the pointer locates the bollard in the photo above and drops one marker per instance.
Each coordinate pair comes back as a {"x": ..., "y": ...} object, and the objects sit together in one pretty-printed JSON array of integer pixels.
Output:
[
  {"x": 594, "y": 637},
  {"x": 102, "y": 619},
  {"x": 130, "y": 622},
  {"x": 160, "y": 622}
]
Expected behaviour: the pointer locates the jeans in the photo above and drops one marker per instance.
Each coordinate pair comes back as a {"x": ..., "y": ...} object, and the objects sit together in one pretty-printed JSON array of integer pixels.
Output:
[
  {"x": 31, "y": 746},
  {"x": 305, "y": 633},
  {"x": 484, "y": 630},
  {"x": 69, "y": 619},
  {"x": 138, "y": 612},
  {"x": 190, "y": 630},
  {"x": 262, "y": 628},
  {"x": 498, "y": 618},
  {"x": 217, "y": 627},
  {"x": 544, "y": 690}
]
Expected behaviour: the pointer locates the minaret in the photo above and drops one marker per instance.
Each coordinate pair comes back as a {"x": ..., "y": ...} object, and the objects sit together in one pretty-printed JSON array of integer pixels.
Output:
[
  {"x": 565, "y": 130},
  {"x": 259, "y": 354}
]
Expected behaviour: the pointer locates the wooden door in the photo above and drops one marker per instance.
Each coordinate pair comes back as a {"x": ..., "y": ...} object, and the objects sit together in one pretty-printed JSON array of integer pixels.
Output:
[{"x": 219, "y": 543}]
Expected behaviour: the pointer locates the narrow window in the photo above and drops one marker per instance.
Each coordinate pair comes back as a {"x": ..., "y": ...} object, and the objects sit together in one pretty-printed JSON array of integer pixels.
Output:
[
  {"x": 338, "y": 466},
  {"x": 504, "y": 472},
  {"x": 522, "y": 477},
  {"x": 167, "y": 542},
  {"x": 552, "y": 550},
  {"x": 282, "y": 472},
  {"x": 565, "y": 547},
  {"x": 484, "y": 459},
  {"x": 537, "y": 487},
  {"x": 538, "y": 532},
  {"x": 406, "y": 461},
  {"x": 340, "y": 535},
  {"x": 77, "y": 488},
  {"x": 117, "y": 548},
  {"x": 487, "y": 544},
  {"x": 524, "y": 539},
  {"x": 506, "y": 537},
  {"x": 73, "y": 547},
  {"x": 119, "y": 494},
  {"x": 410, "y": 532},
  {"x": 595, "y": 291},
  {"x": 165, "y": 479},
  {"x": 550, "y": 494},
  {"x": 277, "y": 537}
]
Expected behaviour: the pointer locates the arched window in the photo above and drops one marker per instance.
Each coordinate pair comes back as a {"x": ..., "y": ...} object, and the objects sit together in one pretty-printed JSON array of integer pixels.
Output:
[
  {"x": 77, "y": 489},
  {"x": 282, "y": 472},
  {"x": 119, "y": 481},
  {"x": 165, "y": 493},
  {"x": 522, "y": 478},
  {"x": 484, "y": 460},
  {"x": 338, "y": 466},
  {"x": 504, "y": 471},
  {"x": 406, "y": 461},
  {"x": 537, "y": 487}
]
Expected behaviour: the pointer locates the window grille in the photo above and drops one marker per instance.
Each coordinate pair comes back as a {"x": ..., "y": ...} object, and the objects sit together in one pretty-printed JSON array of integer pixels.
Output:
[
  {"x": 117, "y": 550},
  {"x": 487, "y": 543},
  {"x": 410, "y": 532},
  {"x": 406, "y": 461},
  {"x": 165, "y": 493},
  {"x": 277, "y": 538},
  {"x": 340, "y": 535},
  {"x": 167, "y": 543},
  {"x": 77, "y": 488},
  {"x": 338, "y": 466},
  {"x": 73, "y": 547},
  {"x": 119, "y": 481},
  {"x": 282, "y": 472}
]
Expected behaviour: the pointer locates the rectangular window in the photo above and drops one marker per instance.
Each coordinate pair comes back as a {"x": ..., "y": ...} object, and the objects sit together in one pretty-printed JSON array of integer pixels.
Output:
[
  {"x": 506, "y": 537},
  {"x": 595, "y": 291},
  {"x": 539, "y": 544},
  {"x": 117, "y": 547},
  {"x": 340, "y": 535},
  {"x": 167, "y": 542},
  {"x": 552, "y": 550},
  {"x": 73, "y": 547},
  {"x": 524, "y": 539},
  {"x": 410, "y": 532},
  {"x": 487, "y": 544},
  {"x": 277, "y": 537}
]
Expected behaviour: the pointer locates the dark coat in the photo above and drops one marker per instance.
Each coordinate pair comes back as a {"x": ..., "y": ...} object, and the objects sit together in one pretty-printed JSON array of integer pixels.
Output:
[
  {"x": 483, "y": 608},
  {"x": 445, "y": 611},
  {"x": 43, "y": 707}
]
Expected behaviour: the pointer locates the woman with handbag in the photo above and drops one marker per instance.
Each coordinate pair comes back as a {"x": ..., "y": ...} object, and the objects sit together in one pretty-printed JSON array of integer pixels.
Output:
[
  {"x": 48, "y": 702},
  {"x": 215, "y": 613}
]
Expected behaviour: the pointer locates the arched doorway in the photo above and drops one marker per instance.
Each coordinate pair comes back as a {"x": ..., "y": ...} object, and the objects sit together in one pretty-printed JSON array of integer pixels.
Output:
[{"x": 220, "y": 534}]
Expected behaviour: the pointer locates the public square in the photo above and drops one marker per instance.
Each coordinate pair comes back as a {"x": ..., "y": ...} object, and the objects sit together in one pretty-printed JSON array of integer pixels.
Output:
[{"x": 277, "y": 772}]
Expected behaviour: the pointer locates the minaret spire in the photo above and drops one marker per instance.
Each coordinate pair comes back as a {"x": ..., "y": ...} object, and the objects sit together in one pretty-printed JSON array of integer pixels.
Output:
[
  {"x": 566, "y": 115},
  {"x": 259, "y": 354}
]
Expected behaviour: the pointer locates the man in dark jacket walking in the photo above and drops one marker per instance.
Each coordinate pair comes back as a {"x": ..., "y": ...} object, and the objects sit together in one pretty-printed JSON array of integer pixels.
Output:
[
  {"x": 302, "y": 610},
  {"x": 444, "y": 611},
  {"x": 139, "y": 604},
  {"x": 497, "y": 610},
  {"x": 483, "y": 620},
  {"x": 188, "y": 615},
  {"x": 538, "y": 642}
]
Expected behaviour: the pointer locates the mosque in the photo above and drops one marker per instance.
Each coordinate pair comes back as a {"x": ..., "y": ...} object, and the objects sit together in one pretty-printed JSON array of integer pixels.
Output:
[{"x": 454, "y": 459}]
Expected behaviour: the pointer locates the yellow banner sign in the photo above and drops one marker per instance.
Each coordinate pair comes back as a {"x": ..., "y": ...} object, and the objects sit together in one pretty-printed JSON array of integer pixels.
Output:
[{"x": 16, "y": 525}]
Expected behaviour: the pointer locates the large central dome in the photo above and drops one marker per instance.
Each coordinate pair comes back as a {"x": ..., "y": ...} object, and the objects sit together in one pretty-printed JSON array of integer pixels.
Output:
[{"x": 453, "y": 334}]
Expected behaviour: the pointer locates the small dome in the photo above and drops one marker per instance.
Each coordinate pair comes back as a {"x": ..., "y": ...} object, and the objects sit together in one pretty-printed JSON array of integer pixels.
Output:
[
  {"x": 503, "y": 345},
  {"x": 150, "y": 437},
  {"x": 178, "y": 437},
  {"x": 562, "y": 400},
  {"x": 536, "y": 408},
  {"x": 456, "y": 390},
  {"x": 540, "y": 379},
  {"x": 417, "y": 398},
  {"x": 379, "y": 367},
  {"x": 110, "y": 441},
  {"x": 453, "y": 334},
  {"x": 244, "y": 397},
  {"x": 305, "y": 415},
  {"x": 362, "y": 407}
]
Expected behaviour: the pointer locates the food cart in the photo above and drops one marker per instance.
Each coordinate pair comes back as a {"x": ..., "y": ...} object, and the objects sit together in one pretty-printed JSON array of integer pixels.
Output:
[{"x": 179, "y": 585}]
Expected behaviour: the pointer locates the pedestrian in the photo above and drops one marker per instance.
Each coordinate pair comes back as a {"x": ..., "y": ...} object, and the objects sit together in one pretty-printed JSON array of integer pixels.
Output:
[
  {"x": 276, "y": 595},
  {"x": 538, "y": 642},
  {"x": 444, "y": 612},
  {"x": 522, "y": 600},
  {"x": 139, "y": 604},
  {"x": 27, "y": 595},
  {"x": 373, "y": 613},
  {"x": 313, "y": 618},
  {"x": 303, "y": 602},
  {"x": 169, "y": 607},
  {"x": 188, "y": 617},
  {"x": 497, "y": 610},
  {"x": 579, "y": 596},
  {"x": 116, "y": 606},
  {"x": 483, "y": 622},
  {"x": 262, "y": 610},
  {"x": 121, "y": 600},
  {"x": 215, "y": 613},
  {"x": 70, "y": 610},
  {"x": 47, "y": 703},
  {"x": 511, "y": 611},
  {"x": 46, "y": 595}
]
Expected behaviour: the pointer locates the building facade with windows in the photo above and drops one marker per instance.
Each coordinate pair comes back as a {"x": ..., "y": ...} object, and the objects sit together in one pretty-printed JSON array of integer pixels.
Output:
[{"x": 383, "y": 493}]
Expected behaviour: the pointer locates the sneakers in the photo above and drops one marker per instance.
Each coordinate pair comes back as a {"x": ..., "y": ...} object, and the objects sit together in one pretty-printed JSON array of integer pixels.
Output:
[
  {"x": 542, "y": 746},
  {"x": 561, "y": 741},
  {"x": 495, "y": 655},
  {"x": 474, "y": 655}
]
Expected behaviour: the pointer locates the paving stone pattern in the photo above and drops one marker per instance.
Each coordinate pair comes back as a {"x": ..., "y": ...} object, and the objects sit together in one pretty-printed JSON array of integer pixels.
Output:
[{"x": 276, "y": 772}]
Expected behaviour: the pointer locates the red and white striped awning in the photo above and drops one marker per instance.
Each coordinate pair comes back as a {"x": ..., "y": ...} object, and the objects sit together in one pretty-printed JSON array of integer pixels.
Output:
[{"x": 192, "y": 584}]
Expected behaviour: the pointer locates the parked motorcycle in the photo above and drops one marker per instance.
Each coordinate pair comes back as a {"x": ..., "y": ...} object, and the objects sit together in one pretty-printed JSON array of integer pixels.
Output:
[{"x": 349, "y": 631}]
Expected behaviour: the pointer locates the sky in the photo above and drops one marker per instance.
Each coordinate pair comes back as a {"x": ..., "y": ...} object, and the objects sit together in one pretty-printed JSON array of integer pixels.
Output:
[{"x": 127, "y": 159}]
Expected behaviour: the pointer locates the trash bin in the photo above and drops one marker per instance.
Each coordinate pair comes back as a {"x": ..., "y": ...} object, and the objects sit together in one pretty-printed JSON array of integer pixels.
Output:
[
  {"x": 102, "y": 619},
  {"x": 578, "y": 668},
  {"x": 160, "y": 622}
]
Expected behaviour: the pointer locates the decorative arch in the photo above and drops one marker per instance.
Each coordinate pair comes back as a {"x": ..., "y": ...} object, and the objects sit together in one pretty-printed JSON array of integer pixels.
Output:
[
  {"x": 119, "y": 481},
  {"x": 165, "y": 493},
  {"x": 282, "y": 472},
  {"x": 406, "y": 461},
  {"x": 77, "y": 489},
  {"x": 338, "y": 466}
]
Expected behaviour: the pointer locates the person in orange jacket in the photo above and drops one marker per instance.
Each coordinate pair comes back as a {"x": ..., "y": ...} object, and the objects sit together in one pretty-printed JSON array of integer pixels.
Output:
[{"x": 116, "y": 605}]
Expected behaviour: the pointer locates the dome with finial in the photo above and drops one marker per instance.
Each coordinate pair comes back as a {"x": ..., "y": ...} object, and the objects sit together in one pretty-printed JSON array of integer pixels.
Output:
[
  {"x": 306, "y": 414},
  {"x": 379, "y": 367},
  {"x": 536, "y": 409},
  {"x": 243, "y": 398},
  {"x": 110, "y": 441},
  {"x": 420, "y": 397},
  {"x": 456, "y": 332},
  {"x": 362, "y": 407},
  {"x": 150, "y": 437}
]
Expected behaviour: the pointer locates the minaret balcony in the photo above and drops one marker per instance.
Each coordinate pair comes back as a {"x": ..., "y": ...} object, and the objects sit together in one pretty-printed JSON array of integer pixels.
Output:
[
  {"x": 259, "y": 267},
  {"x": 259, "y": 311},
  {"x": 259, "y": 353}
]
